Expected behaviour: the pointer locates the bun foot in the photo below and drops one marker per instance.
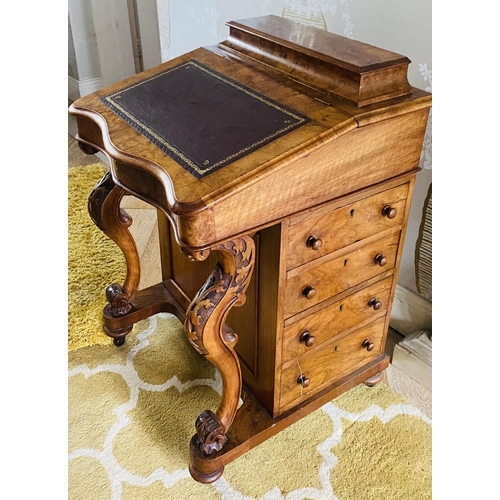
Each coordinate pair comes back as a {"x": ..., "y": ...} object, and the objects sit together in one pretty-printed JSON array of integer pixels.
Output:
[
  {"x": 118, "y": 334},
  {"x": 375, "y": 379},
  {"x": 205, "y": 478},
  {"x": 204, "y": 468}
]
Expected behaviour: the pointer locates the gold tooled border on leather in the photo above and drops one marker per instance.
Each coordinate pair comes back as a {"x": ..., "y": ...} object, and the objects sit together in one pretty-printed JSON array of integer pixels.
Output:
[{"x": 158, "y": 140}]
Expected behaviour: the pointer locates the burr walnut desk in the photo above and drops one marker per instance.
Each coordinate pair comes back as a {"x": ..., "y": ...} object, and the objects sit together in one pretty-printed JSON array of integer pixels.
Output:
[{"x": 282, "y": 163}]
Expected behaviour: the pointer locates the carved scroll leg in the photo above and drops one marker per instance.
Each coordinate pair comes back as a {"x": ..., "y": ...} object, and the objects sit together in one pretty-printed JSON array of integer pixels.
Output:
[
  {"x": 104, "y": 209},
  {"x": 204, "y": 325}
]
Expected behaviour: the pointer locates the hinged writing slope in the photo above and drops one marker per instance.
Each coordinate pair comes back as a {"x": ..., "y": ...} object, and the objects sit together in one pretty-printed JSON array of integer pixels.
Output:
[
  {"x": 356, "y": 71},
  {"x": 201, "y": 118}
]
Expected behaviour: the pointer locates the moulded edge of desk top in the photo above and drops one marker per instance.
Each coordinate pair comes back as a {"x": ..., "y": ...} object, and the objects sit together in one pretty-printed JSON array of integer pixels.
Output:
[{"x": 200, "y": 210}]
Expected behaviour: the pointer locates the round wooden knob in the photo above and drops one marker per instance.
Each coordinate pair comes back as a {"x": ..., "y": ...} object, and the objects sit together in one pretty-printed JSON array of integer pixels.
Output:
[
  {"x": 380, "y": 260},
  {"x": 303, "y": 381},
  {"x": 314, "y": 243},
  {"x": 376, "y": 304},
  {"x": 389, "y": 212},
  {"x": 368, "y": 344},
  {"x": 307, "y": 338},
  {"x": 309, "y": 292}
]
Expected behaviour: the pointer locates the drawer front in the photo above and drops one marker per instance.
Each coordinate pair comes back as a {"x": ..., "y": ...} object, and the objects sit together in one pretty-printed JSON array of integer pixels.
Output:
[
  {"x": 311, "y": 332},
  {"x": 330, "y": 364},
  {"x": 310, "y": 287},
  {"x": 321, "y": 234}
]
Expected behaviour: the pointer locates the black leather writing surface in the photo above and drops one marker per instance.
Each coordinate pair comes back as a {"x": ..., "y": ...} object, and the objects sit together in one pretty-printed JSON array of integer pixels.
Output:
[{"x": 201, "y": 118}]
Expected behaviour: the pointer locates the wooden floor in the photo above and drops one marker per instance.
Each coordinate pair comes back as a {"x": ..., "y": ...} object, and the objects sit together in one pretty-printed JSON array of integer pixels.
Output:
[
  {"x": 144, "y": 227},
  {"x": 145, "y": 232}
]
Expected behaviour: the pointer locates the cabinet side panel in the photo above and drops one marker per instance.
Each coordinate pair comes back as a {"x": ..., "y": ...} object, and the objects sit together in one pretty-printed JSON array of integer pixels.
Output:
[
  {"x": 244, "y": 320},
  {"x": 255, "y": 322},
  {"x": 189, "y": 275}
]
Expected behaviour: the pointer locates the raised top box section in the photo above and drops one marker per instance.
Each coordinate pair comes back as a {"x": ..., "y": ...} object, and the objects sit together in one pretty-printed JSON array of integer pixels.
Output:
[{"x": 353, "y": 70}]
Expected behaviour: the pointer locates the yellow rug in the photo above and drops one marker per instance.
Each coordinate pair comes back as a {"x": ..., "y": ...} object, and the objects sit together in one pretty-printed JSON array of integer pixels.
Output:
[
  {"x": 94, "y": 262},
  {"x": 132, "y": 410}
]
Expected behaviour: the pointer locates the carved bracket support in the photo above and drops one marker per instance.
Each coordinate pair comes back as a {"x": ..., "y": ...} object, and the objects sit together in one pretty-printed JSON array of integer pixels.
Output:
[
  {"x": 104, "y": 209},
  {"x": 204, "y": 324}
]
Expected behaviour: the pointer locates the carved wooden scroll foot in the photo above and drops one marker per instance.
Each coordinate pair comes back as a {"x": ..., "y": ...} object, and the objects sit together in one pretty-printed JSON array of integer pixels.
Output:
[
  {"x": 375, "y": 379},
  {"x": 204, "y": 469},
  {"x": 205, "y": 330},
  {"x": 104, "y": 209}
]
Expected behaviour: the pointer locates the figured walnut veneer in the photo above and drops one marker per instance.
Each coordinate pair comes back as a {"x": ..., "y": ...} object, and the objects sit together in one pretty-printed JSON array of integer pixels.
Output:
[
  {"x": 281, "y": 262},
  {"x": 354, "y": 70}
]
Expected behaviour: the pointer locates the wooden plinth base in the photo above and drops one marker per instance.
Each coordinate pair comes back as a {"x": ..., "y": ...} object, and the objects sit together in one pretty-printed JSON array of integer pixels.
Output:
[
  {"x": 162, "y": 297},
  {"x": 253, "y": 425}
]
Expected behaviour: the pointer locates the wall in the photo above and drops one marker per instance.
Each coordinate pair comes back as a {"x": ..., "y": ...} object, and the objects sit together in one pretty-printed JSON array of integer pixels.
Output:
[
  {"x": 72, "y": 65},
  {"x": 100, "y": 53},
  {"x": 403, "y": 26},
  {"x": 100, "y": 45},
  {"x": 86, "y": 72}
]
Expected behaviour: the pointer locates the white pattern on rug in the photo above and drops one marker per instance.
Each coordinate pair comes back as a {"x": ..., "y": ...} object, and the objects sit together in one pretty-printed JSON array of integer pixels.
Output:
[{"x": 119, "y": 476}]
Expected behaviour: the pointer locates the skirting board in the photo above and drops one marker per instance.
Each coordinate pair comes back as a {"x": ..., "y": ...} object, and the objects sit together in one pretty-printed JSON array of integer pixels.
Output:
[
  {"x": 413, "y": 356},
  {"x": 410, "y": 312},
  {"x": 81, "y": 88}
]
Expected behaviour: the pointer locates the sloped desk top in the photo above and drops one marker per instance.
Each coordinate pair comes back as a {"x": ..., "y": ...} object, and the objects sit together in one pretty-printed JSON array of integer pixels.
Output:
[
  {"x": 316, "y": 160},
  {"x": 200, "y": 118}
]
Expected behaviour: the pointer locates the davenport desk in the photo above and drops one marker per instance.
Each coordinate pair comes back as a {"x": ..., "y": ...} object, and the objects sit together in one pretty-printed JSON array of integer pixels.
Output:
[{"x": 281, "y": 163}]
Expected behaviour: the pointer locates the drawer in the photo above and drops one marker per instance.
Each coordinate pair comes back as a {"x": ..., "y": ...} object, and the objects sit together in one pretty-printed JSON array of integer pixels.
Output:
[
  {"x": 323, "y": 232},
  {"x": 307, "y": 288},
  {"x": 311, "y": 332},
  {"x": 330, "y": 364}
]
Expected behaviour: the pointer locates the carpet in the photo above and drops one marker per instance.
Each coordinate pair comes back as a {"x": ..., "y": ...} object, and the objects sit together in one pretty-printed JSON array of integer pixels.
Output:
[
  {"x": 131, "y": 412},
  {"x": 94, "y": 262}
]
